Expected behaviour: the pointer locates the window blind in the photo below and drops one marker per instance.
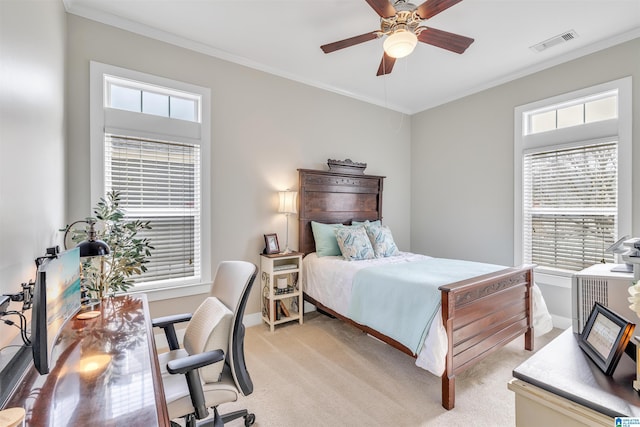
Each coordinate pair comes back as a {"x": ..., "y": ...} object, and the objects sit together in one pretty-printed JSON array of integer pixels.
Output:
[
  {"x": 570, "y": 205},
  {"x": 159, "y": 182}
]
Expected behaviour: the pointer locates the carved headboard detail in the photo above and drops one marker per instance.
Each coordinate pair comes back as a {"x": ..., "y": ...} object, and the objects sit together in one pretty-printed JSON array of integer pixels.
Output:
[{"x": 333, "y": 197}]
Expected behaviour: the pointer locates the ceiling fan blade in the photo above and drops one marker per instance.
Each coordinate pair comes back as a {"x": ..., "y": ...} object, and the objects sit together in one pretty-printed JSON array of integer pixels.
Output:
[
  {"x": 386, "y": 65},
  {"x": 453, "y": 42},
  {"x": 332, "y": 47},
  {"x": 383, "y": 8},
  {"x": 433, "y": 7}
]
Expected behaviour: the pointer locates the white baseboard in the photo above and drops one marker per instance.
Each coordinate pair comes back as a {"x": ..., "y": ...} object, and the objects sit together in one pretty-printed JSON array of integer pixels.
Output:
[
  {"x": 561, "y": 322},
  {"x": 252, "y": 319},
  {"x": 255, "y": 319},
  {"x": 249, "y": 320}
]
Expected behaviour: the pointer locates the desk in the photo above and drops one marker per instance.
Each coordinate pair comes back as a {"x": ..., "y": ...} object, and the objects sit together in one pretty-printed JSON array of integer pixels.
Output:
[
  {"x": 106, "y": 373},
  {"x": 560, "y": 385}
]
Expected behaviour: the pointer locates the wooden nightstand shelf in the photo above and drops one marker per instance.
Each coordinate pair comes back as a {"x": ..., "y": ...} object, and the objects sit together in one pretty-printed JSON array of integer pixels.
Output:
[{"x": 281, "y": 280}]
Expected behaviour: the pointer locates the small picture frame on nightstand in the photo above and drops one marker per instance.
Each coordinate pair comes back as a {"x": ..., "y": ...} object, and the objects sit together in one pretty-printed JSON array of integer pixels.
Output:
[
  {"x": 271, "y": 245},
  {"x": 605, "y": 337}
]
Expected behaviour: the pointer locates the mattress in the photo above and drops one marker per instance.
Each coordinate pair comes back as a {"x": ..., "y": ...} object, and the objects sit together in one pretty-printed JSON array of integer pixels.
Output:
[{"x": 329, "y": 280}]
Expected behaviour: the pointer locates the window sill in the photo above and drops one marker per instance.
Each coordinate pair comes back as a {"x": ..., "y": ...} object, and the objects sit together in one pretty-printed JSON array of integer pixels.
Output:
[
  {"x": 560, "y": 280},
  {"x": 159, "y": 294}
]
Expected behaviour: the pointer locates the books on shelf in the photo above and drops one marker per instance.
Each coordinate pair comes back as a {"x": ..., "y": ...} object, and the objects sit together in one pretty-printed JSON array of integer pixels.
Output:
[
  {"x": 285, "y": 267},
  {"x": 280, "y": 310},
  {"x": 283, "y": 309},
  {"x": 287, "y": 290}
]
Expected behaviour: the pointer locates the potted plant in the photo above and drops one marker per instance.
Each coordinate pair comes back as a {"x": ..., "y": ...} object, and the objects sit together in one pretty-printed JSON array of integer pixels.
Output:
[{"x": 128, "y": 253}]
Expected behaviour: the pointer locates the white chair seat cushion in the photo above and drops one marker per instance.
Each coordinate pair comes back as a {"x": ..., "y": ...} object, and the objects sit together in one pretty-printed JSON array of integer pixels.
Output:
[{"x": 179, "y": 401}]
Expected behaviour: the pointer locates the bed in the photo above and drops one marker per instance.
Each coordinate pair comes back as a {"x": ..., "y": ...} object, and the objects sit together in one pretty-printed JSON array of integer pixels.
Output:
[{"x": 477, "y": 315}]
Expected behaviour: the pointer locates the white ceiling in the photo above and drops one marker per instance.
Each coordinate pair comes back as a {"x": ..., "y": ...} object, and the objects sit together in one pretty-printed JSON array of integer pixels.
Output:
[{"x": 283, "y": 37}]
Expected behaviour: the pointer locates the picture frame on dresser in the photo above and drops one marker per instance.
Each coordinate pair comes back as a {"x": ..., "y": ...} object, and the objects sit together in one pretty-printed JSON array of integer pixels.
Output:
[
  {"x": 605, "y": 337},
  {"x": 271, "y": 245}
]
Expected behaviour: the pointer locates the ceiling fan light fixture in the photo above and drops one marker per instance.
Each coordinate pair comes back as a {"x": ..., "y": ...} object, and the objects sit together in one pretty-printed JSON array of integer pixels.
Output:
[{"x": 400, "y": 44}]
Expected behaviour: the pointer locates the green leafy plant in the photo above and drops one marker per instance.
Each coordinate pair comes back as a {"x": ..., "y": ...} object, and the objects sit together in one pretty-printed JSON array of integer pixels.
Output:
[{"x": 128, "y": 254}]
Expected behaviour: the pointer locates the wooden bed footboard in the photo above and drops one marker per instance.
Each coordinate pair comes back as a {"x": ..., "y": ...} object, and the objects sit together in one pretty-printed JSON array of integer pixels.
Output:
[{"x": 480, "y": 316}]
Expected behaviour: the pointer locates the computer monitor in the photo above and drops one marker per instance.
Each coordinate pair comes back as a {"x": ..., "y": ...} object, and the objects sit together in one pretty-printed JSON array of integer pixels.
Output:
[{"x": 56, "y": 298}]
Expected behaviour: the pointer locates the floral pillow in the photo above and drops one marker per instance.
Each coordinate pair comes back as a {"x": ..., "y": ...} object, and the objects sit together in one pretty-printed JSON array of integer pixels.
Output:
[
  {"x": 381, "y": 240},
  {"x": 354, "y": 243}
]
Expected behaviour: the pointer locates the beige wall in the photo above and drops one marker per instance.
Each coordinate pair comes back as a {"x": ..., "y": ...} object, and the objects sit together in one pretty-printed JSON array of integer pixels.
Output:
[
  {"x": 32, "y": 138},
  {"x": 263, "y": 128},
  {"x": 462, "y": 161},
  {"x": 462, "y": 157},
  {"x": 457, "y": 192}
]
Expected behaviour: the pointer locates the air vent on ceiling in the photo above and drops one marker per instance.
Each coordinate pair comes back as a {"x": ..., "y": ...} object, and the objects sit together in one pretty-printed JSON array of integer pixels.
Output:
[{"x": 554, "y": 41}]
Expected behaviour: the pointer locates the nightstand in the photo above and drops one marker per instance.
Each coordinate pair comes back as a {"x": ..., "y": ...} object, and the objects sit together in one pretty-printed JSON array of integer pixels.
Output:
[{"x": 281, "y": 280}]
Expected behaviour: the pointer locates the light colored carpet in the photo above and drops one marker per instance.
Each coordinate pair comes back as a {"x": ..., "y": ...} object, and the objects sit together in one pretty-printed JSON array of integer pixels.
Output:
[{"x": 327, "y": 373}]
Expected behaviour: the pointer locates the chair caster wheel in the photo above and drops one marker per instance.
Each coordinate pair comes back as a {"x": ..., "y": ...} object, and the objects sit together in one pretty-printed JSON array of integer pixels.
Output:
[{"x": 249, "y": 420}]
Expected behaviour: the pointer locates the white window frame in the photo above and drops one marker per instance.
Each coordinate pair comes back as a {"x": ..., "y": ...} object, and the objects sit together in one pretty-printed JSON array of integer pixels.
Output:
[
  {"x": 162, "y": 129},
  {"x": 619, "y": 129}
]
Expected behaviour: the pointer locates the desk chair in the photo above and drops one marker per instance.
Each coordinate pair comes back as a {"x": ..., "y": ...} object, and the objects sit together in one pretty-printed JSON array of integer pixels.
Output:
[{"x": 212, "y": 359}]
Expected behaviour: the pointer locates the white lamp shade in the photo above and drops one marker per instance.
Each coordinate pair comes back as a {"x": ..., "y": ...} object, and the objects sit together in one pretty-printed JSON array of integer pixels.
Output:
[
  {"x": 400, "y": 44},
  {"x": 288, "y": 202}
]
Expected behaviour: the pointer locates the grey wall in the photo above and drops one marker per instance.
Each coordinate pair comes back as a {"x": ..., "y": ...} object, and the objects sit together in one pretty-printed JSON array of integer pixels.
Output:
[
  {"x": 462, "y": 162},
  {"x": 32, "y": 138},
  {"x": 263, "y": 129}
]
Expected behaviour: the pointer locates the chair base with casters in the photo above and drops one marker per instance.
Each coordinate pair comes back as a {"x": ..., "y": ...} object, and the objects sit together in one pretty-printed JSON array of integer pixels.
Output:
[
  {"x": 210, "y": 369},
  {"x": 219, "y": 420},
  {"x": 201, "y": 417}
]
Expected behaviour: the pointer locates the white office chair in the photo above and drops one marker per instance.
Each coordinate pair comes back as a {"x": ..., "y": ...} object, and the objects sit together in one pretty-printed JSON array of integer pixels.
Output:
[{"x": 212, "y": 359}]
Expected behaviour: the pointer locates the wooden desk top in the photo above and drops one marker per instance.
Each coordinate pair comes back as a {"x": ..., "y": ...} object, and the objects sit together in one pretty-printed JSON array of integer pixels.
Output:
[
  {"x": 562, "y": 368},
  {"x": 106, "y": 373}
]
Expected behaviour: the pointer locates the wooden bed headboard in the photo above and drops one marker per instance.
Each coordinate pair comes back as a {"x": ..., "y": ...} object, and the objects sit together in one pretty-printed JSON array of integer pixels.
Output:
[{"x": 335, "y": 197}]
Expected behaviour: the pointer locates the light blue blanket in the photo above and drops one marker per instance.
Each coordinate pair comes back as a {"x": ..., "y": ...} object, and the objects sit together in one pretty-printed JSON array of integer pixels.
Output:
[{"x": 401, "y": 300}]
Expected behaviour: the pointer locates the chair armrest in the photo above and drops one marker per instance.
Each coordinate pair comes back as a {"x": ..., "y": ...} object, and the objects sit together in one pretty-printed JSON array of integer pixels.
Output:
[
  {"x": 194, "y": 361},
  {"x": 189, "y": 367},
  {"x": 161, "y": 322},
  {"x": 167, "y": 324}
]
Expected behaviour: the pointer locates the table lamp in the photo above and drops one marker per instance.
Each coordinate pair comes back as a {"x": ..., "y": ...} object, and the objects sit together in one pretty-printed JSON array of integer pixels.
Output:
[
  {"x": 91, "y": 247},
  {"x": 287, "y": 206}
]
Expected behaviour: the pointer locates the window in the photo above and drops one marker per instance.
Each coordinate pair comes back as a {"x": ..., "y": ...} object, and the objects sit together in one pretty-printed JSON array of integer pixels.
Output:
[
  {"x": 159, "y": 182},
  {"x": 603, "y": 106},
  {"x": 570, "y": 205},
  {"x": 149, "y": 136},
  {"x": 139, "y": 97},
  {"x": 573, "y": 178}
]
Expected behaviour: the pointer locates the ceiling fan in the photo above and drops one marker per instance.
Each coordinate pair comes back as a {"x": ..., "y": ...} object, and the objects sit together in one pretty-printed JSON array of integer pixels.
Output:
[{"x": 400, "y": 22}]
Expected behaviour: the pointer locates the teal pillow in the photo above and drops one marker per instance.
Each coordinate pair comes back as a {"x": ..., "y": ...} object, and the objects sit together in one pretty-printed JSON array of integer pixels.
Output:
[
  {"x": 354, "y": 243},
  {"x": 381, "y": 240},
  {"x": 325, "y": 238}
]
